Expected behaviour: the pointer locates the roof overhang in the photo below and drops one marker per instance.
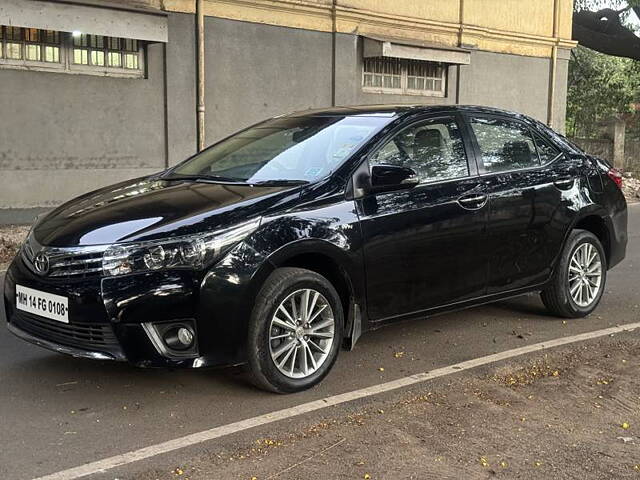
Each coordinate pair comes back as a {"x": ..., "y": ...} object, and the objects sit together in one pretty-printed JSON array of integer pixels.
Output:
[
  {"x": 400, "y": 48},
  {"x": 94, "y": 18}
]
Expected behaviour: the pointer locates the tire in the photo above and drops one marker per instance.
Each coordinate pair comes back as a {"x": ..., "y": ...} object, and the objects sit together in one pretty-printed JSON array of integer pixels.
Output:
[
  {"x": 557, "y": 296},
  {"x": 283, "y": 285}
]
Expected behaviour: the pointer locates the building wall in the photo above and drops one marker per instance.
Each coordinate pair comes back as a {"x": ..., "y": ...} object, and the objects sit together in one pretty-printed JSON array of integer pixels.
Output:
[
  {"x": 68, "y": 134},
  {"x": 181, "y": 88},
  {"x": 507, "y": 81},
  {"x": 523, "y": 27},
  {"x": 257, "y": 71},
  {"x": 65, "y": 134}
]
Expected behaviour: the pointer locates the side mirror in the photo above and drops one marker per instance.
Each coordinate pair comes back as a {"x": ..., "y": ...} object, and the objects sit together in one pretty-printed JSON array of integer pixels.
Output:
[{"x": 387, "y": 178}]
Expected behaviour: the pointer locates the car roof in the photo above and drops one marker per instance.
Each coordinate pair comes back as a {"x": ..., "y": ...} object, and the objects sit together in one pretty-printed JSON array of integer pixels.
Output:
[{"x": 399, "y": 110}]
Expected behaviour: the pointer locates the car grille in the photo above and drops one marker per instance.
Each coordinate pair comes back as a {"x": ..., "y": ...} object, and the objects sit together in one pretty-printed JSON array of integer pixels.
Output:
[
  {"x": 77, "y": 262},
  {"x": 86, "y": 336}
]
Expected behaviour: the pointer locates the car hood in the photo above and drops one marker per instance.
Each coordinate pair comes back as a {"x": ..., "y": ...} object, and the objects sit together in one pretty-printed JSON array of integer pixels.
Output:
[{"x": 148, "y": 208}]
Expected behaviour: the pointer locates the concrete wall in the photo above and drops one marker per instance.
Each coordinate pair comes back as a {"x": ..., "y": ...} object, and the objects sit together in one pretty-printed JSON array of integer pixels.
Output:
[
  {"x": 258, "y": 71},
  {"x": 522, "y": 27},
  {"x": 632, "y": 156},
  {"x": 181, "y": 88},
  {"x": 64, "y": 134},
  {"x": 562, "y": 82},
  {"x": 507, "y": 81}
]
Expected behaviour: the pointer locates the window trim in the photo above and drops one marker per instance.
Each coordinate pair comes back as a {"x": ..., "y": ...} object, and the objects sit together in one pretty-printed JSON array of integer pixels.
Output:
[
  {"x": 472, "y": 169},
  {"x": 535, "y": 134},
  {"x": 66, "y": 65},
  {"x": 482, "y": 172},
  {"x": 404, "y": 80}
]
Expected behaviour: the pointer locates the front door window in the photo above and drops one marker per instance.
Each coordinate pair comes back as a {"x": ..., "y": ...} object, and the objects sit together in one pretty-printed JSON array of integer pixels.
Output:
[{"x": 434, "y": 149}]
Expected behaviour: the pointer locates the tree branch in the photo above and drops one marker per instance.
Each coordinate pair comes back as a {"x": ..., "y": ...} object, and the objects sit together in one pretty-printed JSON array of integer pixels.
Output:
[{"x": 604, "y": 32}]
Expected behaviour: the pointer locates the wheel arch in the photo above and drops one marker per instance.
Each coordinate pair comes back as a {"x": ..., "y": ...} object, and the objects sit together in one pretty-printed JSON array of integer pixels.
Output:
[
  {"x": 332, "y": 263},
  {"x": 596, "y": 223}
]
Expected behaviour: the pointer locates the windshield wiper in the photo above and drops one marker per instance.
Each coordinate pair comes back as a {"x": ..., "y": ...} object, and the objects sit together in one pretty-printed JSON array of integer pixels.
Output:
[
  {"x": 204, "y": 178},
  {"x": 279, "y": 182}
]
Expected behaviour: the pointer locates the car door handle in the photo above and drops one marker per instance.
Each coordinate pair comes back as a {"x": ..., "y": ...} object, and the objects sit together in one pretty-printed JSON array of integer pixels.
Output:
[
  {"x": 473, "y": 202},
  {"x": 564, "y": 182}
]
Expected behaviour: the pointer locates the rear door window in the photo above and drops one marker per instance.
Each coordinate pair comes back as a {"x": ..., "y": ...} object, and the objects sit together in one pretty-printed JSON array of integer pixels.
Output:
[{"x": 504, "y": 144}]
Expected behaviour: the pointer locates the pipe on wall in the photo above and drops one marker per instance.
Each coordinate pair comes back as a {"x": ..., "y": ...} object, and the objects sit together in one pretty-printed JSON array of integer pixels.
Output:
[
  {"x": 554, "y": 64},
  {"x": 334, "y": 34},
  {"x": 200, "y": 109},
  {"x": 460, "y": 37}
]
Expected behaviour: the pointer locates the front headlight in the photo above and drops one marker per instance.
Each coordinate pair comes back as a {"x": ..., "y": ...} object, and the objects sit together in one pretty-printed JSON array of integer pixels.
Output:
[{"x": 193, "y": 251}]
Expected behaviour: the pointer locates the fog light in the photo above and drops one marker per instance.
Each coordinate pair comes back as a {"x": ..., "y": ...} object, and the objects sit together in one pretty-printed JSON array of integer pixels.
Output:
[
  {"x": 185, "y": 336},
  {"x": 174, "y": 339},
  {"x": 178, "y": 338}
]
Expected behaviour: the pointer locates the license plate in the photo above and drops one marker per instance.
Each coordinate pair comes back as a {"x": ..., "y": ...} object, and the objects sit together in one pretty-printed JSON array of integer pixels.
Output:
[{"x": 48, "y": 305}]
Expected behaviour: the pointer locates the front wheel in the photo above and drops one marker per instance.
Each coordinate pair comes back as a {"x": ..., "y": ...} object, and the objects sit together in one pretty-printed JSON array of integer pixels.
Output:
[
  {"x": 579, "y": 280},
  {"x": 295, "y": 331}
]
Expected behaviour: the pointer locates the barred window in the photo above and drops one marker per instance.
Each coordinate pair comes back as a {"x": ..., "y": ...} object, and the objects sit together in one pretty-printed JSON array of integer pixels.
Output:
[
  {"x": 383, "y": 73},
  {"x": 396, "y": 75},
  {"x": 29, "y": 44},
  {"x": 82, "y": 53},
  {"x": 109, "y": 52}
]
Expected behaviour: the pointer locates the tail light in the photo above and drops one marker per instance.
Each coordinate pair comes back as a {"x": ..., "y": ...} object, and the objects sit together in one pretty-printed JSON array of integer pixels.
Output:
[{"x": 616, "y": 176}]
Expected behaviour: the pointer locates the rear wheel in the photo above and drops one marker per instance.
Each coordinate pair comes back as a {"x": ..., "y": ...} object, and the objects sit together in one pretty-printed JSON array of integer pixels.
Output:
[
  {"x": 579, "y": 280},
  {"x": 295, "y": 331}
]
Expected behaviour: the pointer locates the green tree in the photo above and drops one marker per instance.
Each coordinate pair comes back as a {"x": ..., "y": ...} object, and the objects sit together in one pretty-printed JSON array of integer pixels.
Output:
[{"x": 600, "y": 86}]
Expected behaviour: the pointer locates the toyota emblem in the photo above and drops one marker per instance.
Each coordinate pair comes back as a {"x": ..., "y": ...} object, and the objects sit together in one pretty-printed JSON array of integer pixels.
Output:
[{"x": 41, "y": 263}]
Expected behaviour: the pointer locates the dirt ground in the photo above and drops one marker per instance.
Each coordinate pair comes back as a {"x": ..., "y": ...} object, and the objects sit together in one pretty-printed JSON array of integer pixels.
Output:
[
  {"x": 570, "y": 414},
  {"x": 11, "y": 236},
  {"x": 631, "y": 187}
]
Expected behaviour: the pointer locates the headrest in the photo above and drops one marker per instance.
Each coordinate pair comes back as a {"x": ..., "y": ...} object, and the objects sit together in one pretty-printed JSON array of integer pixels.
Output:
[
  {"x": 517, "y": 152},
  {"x": 428, "y": 138}
]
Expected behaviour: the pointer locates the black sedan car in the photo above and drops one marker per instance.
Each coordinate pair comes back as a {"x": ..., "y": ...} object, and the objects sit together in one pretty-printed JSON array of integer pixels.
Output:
[{"x": 281, "y": 244}]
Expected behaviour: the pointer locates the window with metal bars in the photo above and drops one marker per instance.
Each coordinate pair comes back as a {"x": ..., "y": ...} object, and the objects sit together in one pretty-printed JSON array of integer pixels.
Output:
[
  {"x": 106, "y": 52},
  {"x": 402, "y": 76},
  {"x": 38, "y": 49},
  {"x": 29, "y": 45}
]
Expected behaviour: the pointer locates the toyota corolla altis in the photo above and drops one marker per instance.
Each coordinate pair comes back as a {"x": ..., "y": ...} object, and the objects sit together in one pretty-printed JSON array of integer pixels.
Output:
[{"x": 281, "y": 244}]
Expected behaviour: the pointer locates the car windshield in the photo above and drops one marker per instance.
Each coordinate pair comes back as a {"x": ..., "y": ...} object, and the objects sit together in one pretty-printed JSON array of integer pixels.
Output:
[{"x": 288, "y": 149}]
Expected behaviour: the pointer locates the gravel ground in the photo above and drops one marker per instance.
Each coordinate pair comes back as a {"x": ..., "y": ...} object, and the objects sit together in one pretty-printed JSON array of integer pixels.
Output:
[
  {"x": 11, "y": 236},
  {"x": 631, "y": 187},
  {"x": 570, "y": 414}
]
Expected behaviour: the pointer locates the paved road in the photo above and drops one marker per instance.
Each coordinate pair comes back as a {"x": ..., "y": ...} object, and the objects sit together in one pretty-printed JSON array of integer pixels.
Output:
[{"x": 57, "y": 412}]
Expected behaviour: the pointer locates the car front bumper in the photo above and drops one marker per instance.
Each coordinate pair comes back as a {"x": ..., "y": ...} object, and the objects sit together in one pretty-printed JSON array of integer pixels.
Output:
[{"x": 109, "y": 318}]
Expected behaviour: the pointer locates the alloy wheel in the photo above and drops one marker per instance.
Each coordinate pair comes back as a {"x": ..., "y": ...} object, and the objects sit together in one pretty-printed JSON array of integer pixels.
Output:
[
  {"x": 585, "y": 275},
  {"x": 301, "y": 333}
]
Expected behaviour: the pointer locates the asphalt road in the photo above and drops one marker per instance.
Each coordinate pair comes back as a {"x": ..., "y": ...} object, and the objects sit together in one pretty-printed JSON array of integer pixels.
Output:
[{"x": 58, "y": 412}]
